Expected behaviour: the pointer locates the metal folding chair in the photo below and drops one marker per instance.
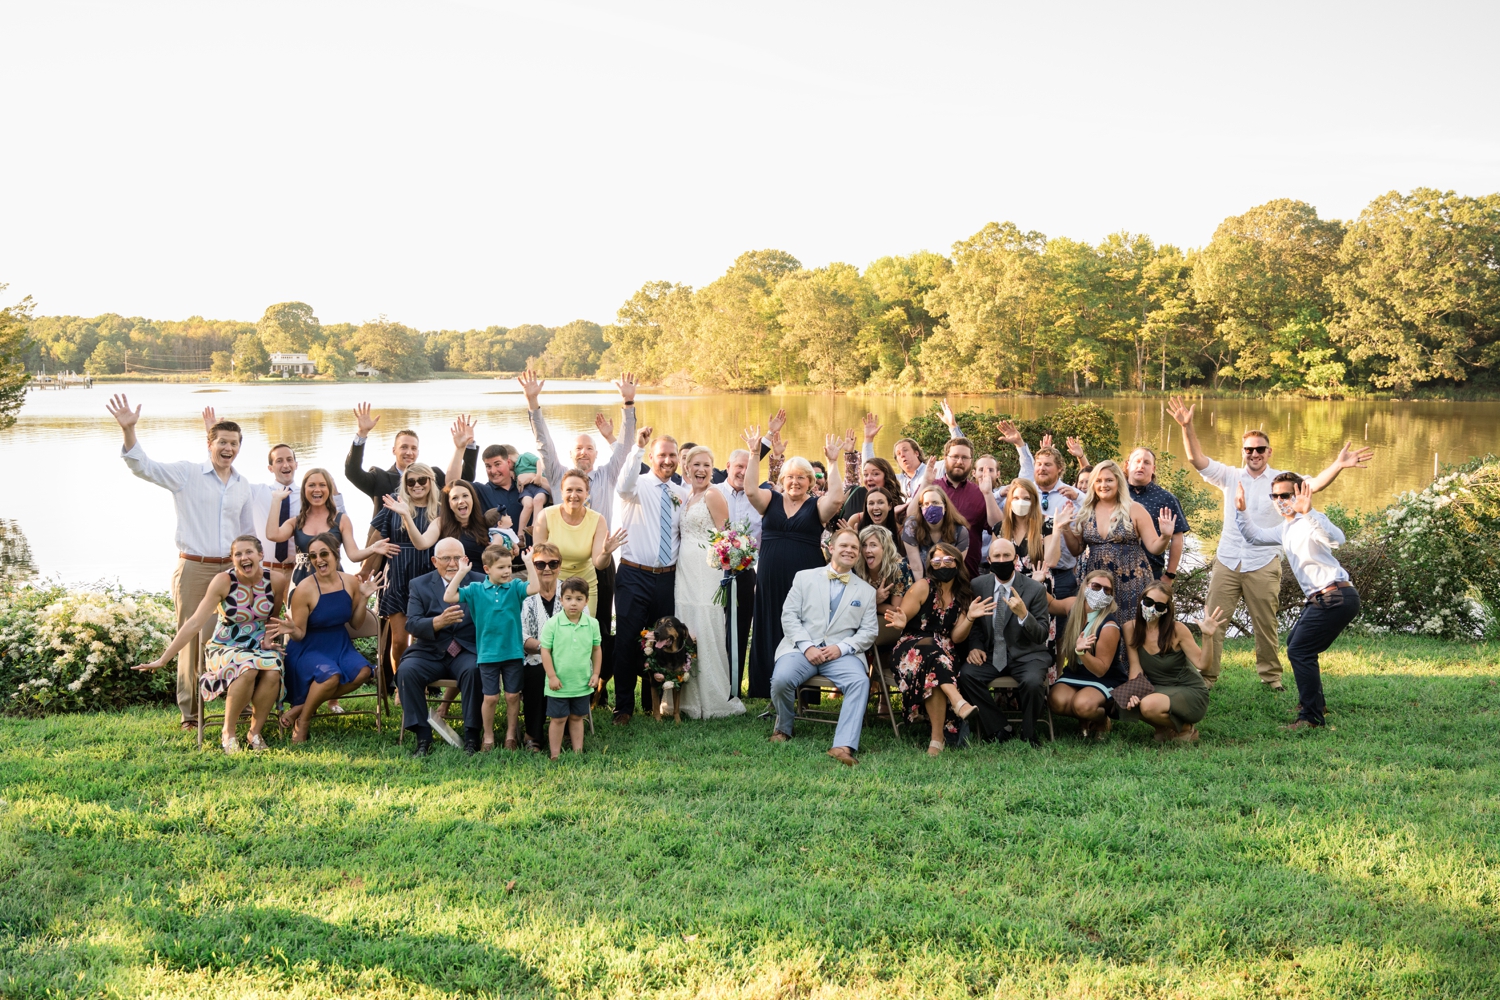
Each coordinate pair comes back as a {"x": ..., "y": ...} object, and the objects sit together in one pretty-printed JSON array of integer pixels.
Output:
[
  {"x": 882, "y": 684},
  {"x": 203, "y": 720},
  {"x": 879, "y": 694}
]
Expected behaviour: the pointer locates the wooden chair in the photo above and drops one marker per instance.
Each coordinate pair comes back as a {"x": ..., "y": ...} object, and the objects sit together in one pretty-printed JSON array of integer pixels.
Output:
[
  {"x": 1008, "y": 684},
  {"x": 203, "y": 720}
]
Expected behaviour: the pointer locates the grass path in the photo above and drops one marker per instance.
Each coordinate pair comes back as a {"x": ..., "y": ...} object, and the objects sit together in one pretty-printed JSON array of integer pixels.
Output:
[{"x": 702, "y": 861}]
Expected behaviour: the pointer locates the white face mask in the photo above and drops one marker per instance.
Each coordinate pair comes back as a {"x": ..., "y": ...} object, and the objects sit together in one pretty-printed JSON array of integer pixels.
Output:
[
  {"x": 1149, "y": 614},
  {"x": 1097, "y": 599},
  {"x": 1021, "y": 507}
]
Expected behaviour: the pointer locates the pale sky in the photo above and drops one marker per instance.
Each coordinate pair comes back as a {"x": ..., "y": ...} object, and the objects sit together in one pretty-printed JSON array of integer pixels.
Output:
[{"x": 461, "y": 164}]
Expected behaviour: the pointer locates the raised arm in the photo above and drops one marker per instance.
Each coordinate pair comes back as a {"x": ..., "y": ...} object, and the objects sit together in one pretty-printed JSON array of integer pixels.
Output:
[
  {"x": 630, "y": 472},
  {"x": 546, "y": 447},
  {"x": 1347, "y": 458},
  {"x": 463, "y": 440},
  {"x": 119, "y": 408},
  {"x": 1012, "y": 436},
  {"x": 1155, "y": 535},
  {"x": 1254, "y": 533},
  {"x": 419, "y": 539},
  {"x": 1067, "y": 523},
  {"x": 361, "y": 590},
  {"x": 354, "y": 470},
  {"x": 356, "y": 554},
  {"x": 278, "y": 530},
  {"x": 171, "y": 476},
  {"x": 832, "y": 501},
  {"x": 620, "y": 448},
  {"x": 872, "y": 427},
  {"x": 450, "y": 592},
  {"x": 1183, "y": 414},
  {"x": 759, "y": 497},
  {"x": 992, "y": 511}
]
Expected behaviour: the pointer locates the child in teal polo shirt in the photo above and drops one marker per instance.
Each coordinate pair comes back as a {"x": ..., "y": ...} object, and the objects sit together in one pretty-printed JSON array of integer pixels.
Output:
[
  {"x": 571, "y": 657},
  {"x": 495, "y": 607}
]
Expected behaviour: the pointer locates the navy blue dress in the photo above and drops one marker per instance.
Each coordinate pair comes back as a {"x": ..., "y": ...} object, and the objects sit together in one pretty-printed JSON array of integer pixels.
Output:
[
  {"x": 326, "y": 650},
  {"x": 788, "y": 545},
  {"x": 405, "y": 566}
]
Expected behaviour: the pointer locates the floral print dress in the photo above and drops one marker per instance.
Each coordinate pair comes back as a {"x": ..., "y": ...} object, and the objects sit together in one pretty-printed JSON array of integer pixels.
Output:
[
  {"x": 925, "y": 659},
  {"x": 1122, "y": 553},
  {"x": 238, "y": 643}
]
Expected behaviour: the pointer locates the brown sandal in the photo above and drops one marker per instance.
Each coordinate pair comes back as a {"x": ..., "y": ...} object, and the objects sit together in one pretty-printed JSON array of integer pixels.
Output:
[{"x": 511, "y": 743}]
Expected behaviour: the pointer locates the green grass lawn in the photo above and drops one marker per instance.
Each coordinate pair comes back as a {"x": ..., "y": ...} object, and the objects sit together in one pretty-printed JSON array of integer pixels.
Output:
[{"x": 700, "y": 860}]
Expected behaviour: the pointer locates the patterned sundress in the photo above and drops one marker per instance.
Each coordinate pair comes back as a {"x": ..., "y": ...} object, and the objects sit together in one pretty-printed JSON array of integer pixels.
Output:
[{"x": 237, "y": 643}]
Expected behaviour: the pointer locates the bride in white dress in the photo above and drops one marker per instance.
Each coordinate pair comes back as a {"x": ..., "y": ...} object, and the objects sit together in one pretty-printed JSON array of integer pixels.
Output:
[{"x": 707, "y": 692}]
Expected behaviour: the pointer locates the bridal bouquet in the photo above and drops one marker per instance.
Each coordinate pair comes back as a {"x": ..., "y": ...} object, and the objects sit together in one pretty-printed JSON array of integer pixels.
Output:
[{"x": 731, "y": 550}]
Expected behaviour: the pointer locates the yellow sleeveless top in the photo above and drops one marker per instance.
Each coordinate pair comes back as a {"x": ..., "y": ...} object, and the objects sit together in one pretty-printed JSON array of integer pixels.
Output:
[{"x": 576, "y": 543}]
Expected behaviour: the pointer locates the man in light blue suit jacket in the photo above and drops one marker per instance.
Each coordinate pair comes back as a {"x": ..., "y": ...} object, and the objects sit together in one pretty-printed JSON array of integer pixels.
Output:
[{"x": 828, "y": 622}]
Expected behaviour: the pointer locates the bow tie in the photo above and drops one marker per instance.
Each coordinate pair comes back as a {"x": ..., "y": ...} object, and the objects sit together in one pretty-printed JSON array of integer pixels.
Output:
[{"x": 840, "y": 577}]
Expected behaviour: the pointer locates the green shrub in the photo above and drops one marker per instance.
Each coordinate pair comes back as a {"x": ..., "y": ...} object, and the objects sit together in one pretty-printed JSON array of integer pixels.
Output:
[
  {"x": 1089, "y": 422},
  {"x": 72, "y": 650}
]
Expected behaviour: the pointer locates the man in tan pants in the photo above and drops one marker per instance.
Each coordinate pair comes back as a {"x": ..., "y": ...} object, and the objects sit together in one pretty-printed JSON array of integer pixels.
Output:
[
  {"x": 214, "y": 505},
  {"x": 1242, "y": 571}
]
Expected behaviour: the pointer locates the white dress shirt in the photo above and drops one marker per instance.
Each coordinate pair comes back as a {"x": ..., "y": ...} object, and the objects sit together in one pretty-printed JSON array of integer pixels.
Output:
[
  {"x": 641, "y": 496},
  {"x": 602, "y": 480},
  {"x": 741, "y": 511},
  {"x": 1235, "y": 551},
  {"x": 210, "y": 511},
  {"x": 1308, "y": 540}
]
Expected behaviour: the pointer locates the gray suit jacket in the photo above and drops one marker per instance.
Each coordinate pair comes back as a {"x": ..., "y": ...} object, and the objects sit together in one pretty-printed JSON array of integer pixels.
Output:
[
  {"x": 805, "y": 619},
  {"x": 1002, "y": 637}
]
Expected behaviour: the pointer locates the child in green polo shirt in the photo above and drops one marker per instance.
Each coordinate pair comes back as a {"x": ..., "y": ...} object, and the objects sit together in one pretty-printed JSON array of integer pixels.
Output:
[
  {"x": 571, "y": 657},
  {"x": 495, "y": 607}
]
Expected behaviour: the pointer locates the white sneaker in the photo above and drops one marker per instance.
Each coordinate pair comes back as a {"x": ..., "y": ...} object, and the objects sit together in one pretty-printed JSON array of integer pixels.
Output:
[{"x": 440, "y": 726}]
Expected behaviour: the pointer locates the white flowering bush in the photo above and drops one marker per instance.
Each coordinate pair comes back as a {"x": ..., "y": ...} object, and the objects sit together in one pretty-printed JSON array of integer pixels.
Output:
[{"x": 72, "y": 650}]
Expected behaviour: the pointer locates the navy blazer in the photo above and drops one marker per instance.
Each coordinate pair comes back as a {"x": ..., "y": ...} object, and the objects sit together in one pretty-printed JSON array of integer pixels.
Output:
[{"x": 424, "y": 602}]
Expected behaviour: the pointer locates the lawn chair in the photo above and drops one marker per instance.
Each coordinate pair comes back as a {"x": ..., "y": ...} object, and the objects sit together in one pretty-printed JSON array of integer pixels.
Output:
[
  {"x": 813, "y": 711},
  {"x": 203, "y": 720},
  {"x": 1007, "y": 685}
]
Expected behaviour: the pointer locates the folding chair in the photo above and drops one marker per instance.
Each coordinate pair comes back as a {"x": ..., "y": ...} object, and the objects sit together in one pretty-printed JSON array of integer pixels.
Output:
[
  {"x": 198, "y": 705},
  {"x": 446, "y": 684},
  {"x": 1008, "y": 685},
  {"x": 817, "y": 684},
  {"x": 882, "y": 684}
]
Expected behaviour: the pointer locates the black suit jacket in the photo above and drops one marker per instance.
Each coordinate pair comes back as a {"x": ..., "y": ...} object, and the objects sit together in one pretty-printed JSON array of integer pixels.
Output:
[
  {"x": 376, "y": 483},
  {"x": 1022, "y": 640},
  {"x": 424, "y": 602}
]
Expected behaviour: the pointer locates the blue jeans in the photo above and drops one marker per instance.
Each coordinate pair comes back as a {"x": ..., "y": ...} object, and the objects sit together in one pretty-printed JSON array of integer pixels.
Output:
[
  {"x": 1323, "y": 618},
  {"x": 850, "y": 673}
]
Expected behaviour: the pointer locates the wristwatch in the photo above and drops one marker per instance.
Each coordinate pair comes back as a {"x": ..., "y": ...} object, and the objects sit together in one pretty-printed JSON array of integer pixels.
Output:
[{"x": 1169, "y": 574}]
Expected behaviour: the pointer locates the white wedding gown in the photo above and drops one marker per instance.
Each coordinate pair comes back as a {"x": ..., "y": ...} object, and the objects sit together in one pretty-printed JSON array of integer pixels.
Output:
[{"x": 707, "y": 692}]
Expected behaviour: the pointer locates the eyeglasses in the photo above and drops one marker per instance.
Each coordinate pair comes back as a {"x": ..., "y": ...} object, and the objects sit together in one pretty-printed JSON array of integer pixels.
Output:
[
  {"x": 1256, "y": 449},
  {"x": 417, "y": 480},
  {"x": 942, "y": 562},
  {"x": 1096, "y": 585},
  {"x": 1158, "y": 605},
  {"x": 1283, "y": 496},
  {"x": 547, "y": 563}
]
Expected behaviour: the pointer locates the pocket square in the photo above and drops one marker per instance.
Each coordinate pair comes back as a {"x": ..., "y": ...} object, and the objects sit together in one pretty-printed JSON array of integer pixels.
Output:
[{"x": 854, "y": 604}]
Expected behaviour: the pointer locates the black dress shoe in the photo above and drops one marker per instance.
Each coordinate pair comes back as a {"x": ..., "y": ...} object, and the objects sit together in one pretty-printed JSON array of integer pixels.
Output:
[
  {"x": 471, "y": 746},
  {"x": 423, "y": 747}
]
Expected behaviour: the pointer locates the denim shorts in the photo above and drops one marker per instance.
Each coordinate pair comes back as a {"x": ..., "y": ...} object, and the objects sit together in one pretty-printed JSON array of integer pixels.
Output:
[
  {"x": 561, "y": 708},
  {"x": 492, "y": 674}
]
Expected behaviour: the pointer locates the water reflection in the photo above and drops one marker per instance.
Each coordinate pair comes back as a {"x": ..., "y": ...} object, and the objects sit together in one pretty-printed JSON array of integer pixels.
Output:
[
  {"x": 71, "y": 427},
  {"x": 16, "y": 565}
]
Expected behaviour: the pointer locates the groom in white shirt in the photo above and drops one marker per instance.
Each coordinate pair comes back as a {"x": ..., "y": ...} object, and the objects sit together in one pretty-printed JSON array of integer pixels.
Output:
[{"x": 828, "y": 622}]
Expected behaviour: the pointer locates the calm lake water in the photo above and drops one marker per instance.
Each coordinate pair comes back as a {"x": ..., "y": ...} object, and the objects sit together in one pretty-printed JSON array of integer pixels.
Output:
[{"x": 114, "y": 526}]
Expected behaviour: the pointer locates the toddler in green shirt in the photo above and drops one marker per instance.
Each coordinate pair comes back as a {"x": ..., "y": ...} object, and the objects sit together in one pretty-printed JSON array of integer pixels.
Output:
[{"x": 572, "y": 658}]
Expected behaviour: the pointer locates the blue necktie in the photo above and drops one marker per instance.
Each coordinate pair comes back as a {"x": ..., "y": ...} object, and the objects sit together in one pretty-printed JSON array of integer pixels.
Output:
[
  {"x": 664, "y": 548},
  {"x": 283, "y": 548}
]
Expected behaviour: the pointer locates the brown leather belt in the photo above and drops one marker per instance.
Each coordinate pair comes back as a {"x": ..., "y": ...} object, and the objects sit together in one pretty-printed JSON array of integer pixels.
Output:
[
  {"x": 1330, "y": 589},
  {"x": 649, "y": 569},
  {"x": 285, "y": 565},
  {"x": 210, "y": 560}
]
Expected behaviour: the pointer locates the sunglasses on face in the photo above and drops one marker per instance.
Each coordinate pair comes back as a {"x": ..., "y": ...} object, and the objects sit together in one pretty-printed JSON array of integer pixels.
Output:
[
  {"x": 1158, "y": 605},
  {"x": 1283, "y": 496},
  {"x": 1099, "y": 586},
  {"x": 417, "y": 481},
  {"x": 547, "y": 563},
  {"x": 942, "y": 562},
  {"x": 1255, "y": 449}
]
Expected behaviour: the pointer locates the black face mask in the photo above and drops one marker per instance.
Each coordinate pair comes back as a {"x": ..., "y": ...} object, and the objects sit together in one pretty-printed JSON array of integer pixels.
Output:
[
  {"x": 942, "y": 574},
  {"x": 1003, "y": 570}
]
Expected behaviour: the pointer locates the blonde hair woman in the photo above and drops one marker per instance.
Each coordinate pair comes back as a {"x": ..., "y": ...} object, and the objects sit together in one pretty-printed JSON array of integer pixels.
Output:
[
  {"x": 419, "y": 492},
  {"x": 883, "y": 568},
  {"x": 711, "y": 693},
  {"x": 580, "y": 534},
  {"x": 791, "y": 541},
  {"x": 1090, "y": 656},
  {"x": 1021, "y": 523},
  {"x": 1117, "y": 532}
]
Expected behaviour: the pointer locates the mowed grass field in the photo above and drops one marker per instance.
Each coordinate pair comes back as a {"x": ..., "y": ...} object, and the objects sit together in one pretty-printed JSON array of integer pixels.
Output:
[{"x": 1362, "y": 861}]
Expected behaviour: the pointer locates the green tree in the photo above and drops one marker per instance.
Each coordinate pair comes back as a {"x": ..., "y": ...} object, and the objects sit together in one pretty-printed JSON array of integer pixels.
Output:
[
  {"x": 574, "y": 350},
  {"x": 1091, "y": 423},
  {"x": 1262, "y": 281},
  {"x": 656, "y": 331},
  {"x": 221, "y": 366},
  {"x": 1419, "y": 291},
  {"x": 250, "y": 358},
  {"x": 331, "y": 359},
  {"x": 394, "y": 349},
  {"x": 108, "y": 359},
  {"x": 823, "y": 314},
  {"x": 289, "y": 326},
  {"x": 14, "y": 320},
  {"x": 738, "y": 340},
  {"x": 894, "y": 337}
]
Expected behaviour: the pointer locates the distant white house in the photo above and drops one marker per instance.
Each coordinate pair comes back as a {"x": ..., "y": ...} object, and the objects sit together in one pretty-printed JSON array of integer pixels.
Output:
[
  {"x": 288, "y": 364},
  {"x": 363, "y": 370}
]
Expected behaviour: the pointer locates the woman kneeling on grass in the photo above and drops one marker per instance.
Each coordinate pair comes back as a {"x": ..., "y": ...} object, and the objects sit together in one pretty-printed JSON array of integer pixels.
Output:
[
  {"x": 240, "y": 662},
  {"x": 1090, "y": 655},
  {"x": 1162, "y": 648},
  {"x": 321, "y": 660}
]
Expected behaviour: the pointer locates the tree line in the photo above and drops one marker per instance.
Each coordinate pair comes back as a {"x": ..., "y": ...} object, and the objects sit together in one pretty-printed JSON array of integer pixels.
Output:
[{"x": 1280, "y": 300}]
